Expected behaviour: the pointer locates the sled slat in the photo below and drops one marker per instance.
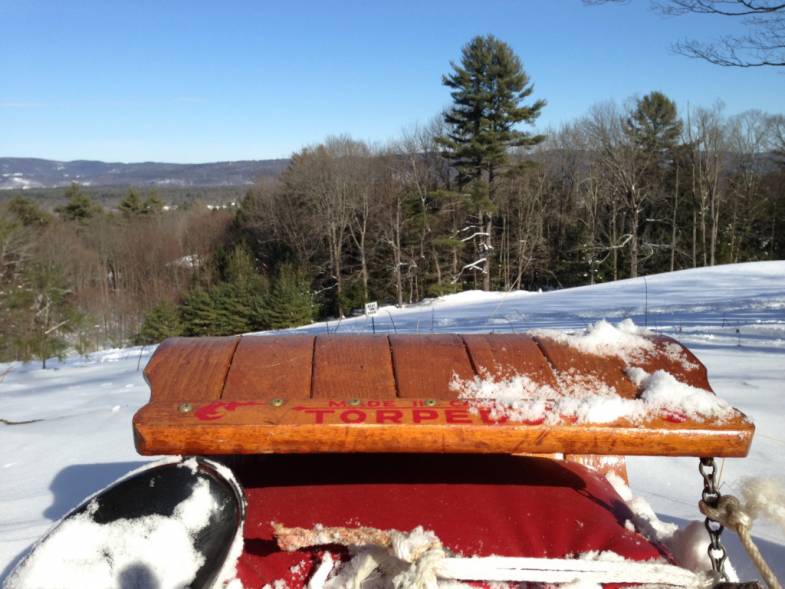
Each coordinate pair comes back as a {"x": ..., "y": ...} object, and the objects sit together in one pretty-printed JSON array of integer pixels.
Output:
[
  {"x": 190, "y": 368},
  {"x": 267, "y": 367},
  {"x": 425, "y": 364},
  {"x": 359, "y": 366},
  {"x": 672, "y": 357},
  {"x": 413, "y": 425},
  {"x": 573, "y": 366},
  {"x": 504, "y": 356}
]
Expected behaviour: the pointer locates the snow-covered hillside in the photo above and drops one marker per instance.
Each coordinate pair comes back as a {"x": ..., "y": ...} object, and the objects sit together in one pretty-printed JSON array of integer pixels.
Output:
[{"x": 66, "y": 431}]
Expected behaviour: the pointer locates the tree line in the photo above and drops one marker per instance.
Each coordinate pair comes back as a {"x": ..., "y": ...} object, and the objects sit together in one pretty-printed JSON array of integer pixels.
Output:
[{"x": 473, "y": 200}]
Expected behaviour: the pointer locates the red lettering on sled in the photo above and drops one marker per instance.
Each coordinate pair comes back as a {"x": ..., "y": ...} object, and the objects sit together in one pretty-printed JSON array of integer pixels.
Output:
[
  {"x": 389, "y": 416},
  {"x": 213, "y": 411},
  {"x": 353, "y": 416},
  {"x": 318, "y": 413},
  {"x": 420, "y": 415},
  {"x": 457, "y": 416}
]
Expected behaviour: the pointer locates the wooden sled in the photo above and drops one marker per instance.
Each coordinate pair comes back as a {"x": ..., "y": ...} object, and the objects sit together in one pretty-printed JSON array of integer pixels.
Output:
[{"x": 248, "y": 397}]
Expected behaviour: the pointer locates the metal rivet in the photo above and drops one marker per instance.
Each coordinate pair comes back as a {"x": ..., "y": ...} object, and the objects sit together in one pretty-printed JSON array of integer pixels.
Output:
[
  {"x": 429, "y": 402},
  {"x": 185, "y": 408},
  {"x": 354, "y": 402},
  {"x": 277, "y": 402}
]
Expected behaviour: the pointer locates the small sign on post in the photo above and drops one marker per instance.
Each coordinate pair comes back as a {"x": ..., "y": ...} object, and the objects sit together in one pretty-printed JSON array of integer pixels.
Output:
[{"x": 370, "y": 310}]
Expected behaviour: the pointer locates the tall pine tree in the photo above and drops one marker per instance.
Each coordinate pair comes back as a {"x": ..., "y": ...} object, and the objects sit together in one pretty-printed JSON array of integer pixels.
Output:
[{"x": 489, "y": 88}]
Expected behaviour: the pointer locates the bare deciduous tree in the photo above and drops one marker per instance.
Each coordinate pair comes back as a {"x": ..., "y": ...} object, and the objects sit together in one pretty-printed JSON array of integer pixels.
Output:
[{"x": 761, "y": 45}]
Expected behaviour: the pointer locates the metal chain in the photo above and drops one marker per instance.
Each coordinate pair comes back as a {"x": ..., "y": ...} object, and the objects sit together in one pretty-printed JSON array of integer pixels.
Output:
[{"x": 711, "y": 497}]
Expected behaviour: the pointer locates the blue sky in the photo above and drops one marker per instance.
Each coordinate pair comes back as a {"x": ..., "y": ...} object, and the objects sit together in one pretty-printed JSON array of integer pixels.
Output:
[{"x": 193, "y": 81}]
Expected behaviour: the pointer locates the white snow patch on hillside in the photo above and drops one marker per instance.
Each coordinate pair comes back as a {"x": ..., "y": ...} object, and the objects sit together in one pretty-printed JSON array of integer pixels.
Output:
[{"x": 732, "y": 317}]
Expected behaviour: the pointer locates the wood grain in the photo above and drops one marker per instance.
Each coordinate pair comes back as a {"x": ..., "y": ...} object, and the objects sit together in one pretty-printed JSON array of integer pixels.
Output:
[
  {"x": 338, "y": 394},
  {"x": 505, "y": 355},
  {"x": 265, "y": 367},
  {"x": 671, "y": 356},
  {"x": 425, "y": 364},
  {"x": 570, "y": 363},
  {"x": 411, "y": 425},
  {"x": 190, "y": 368},
  {"x": 359, "y": 366}
]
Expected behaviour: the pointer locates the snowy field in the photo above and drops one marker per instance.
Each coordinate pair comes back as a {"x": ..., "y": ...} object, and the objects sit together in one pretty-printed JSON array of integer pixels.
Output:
[{"x": 65, "y": 432}]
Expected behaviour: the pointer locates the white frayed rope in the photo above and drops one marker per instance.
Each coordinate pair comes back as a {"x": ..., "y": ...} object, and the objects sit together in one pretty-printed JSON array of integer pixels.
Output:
[{"x": 417, "y": 560}]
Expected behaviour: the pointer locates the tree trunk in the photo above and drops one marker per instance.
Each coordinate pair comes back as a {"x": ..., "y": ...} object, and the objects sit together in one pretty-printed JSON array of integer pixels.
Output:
[
  {"x": 715, "y": 226},
  {"x": 437, "y": 266},
  {"x": 364, "y": 268},
  {"x": 634, "y": 238},
  {"x": 673, "y": 221},
  {"x": 397, "y": 253},
  {"x": 694, "y": 238},
  {"x": 703, "y": 233},
  {"x": 486, "y": 278},
  {"x": 614, "y": 244}
]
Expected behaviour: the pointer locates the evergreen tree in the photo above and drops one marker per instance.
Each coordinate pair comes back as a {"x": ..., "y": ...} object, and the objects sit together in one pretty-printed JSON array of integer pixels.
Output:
[
  {"x": 28, "y": 213},
  {"x": 199, "y": 313},
  {"x": 655, "y": 125},
  {"x": 234, "y": 308},
  {"x": 489, "y": 88},
  {"x": 239, "y": 266},
  {"x": 152, "y": 204},
  {"x": 131, "y": 205},
  {"x": 291, "y": 301},
  {"x": 247, "y": 291},
  {"x": 79, "y": 206},
  {"x": 235, "y": 305},
  {"x": 161, "y": 322},
  {"x": 44, "y": 304}
]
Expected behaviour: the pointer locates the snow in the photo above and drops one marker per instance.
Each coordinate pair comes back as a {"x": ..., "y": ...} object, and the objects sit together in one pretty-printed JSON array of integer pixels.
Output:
[
  {"x": 661, "y": 392},
  {"x": 624, "y": 340},
  {"x": 585, "y": 399},
  {"x": 732, "y": 317},
  {"x": 147, "y": 551}
]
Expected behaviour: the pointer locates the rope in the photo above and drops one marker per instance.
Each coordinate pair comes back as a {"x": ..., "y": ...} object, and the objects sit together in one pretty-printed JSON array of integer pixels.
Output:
[
  {"x": 417, "y": 560},
  {"x": 730, "y": 514}
]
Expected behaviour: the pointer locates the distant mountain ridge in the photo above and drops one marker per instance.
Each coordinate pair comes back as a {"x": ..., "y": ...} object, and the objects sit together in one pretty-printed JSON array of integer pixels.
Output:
[{"x": 25, "y": 173}]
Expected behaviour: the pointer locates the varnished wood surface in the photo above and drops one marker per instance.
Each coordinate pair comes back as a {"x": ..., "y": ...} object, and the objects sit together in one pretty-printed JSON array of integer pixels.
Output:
[
  {"x": 190, "y": 367},
  {"x": 505, "y": 355},
  {"x": 232, "y": 383},
  {"x": 426, "y": 364},
  {"x": 269, "y": 367},
  {"x": 361, "y": 364},
  {"x": 573, "y": 366},
  {"x": 412, "y": 425}
]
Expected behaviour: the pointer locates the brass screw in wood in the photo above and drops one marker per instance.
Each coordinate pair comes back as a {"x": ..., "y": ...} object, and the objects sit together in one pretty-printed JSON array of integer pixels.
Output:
[
  {"x": 354, "y": 402},
  {"x": 429, "y": 402},
  {"x": 185, "y": 408},
  {"x": 277, "y": 402}
]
